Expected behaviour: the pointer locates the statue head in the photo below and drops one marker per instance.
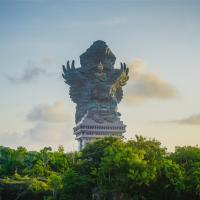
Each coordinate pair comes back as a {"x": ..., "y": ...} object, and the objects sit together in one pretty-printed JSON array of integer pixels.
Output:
[
  {"x": 98, "y": 51},
  {"x": 100, "y": 67}
]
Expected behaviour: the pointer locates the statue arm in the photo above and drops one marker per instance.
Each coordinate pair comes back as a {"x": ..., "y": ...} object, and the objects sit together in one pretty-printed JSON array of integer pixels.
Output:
[
  {"x": 68, "y": 72},
  {"x": 116, "y": 88},
  {"x": 75, "y": 80},
  {"x": 71, "y": 74}
]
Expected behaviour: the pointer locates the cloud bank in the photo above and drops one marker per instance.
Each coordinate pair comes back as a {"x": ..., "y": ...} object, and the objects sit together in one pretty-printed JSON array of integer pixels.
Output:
[
  {"x": 52, "y": 134},
  {"x": 52, "y": 126},
  {"x": 41, "y": 135},
  {"x": 144, "y": 85}
]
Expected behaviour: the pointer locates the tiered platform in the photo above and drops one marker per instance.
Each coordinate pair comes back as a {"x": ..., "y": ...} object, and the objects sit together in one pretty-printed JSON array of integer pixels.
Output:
[{"x": 88, "y": 130}]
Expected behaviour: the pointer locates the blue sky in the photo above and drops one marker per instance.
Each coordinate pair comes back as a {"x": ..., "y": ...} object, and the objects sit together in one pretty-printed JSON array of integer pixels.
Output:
[{"x": 37, "y": 37}]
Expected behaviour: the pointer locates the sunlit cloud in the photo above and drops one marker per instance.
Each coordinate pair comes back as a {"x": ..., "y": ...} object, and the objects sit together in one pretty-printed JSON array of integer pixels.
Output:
[
  {"x": 55, "y": 113},
  {"x": 144, "y": 85}
]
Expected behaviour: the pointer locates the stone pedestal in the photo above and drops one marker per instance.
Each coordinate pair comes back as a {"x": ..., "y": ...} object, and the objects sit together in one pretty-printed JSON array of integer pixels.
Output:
[{"x": 87, "y": 130}]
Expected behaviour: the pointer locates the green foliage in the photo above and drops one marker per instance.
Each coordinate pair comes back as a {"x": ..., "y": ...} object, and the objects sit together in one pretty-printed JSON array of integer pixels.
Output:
[
  {"x": 107, "y": 169},
  {"x": 11, "y": 160},
  {"x": 37, "y": 185},
  {"x": 189, "y": 158},
  {"x": 186, "y": 156},
  {"x": 123, "y": 168}
]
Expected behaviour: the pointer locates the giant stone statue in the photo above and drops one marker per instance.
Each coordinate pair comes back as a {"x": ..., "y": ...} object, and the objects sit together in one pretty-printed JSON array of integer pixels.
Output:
[{"x": 96, "y": 88}]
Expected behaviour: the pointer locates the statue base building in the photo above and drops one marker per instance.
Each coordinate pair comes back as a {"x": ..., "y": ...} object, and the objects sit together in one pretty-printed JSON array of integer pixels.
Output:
[{"x": 87, "y": 130}]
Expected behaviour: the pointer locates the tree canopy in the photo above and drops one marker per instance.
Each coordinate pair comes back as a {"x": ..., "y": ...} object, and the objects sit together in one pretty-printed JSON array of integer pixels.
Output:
[{"x": 107, "y": 169}]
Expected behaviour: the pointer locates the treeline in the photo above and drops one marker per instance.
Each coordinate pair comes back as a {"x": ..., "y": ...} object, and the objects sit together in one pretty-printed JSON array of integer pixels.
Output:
[{"x": 107, "y": 169}]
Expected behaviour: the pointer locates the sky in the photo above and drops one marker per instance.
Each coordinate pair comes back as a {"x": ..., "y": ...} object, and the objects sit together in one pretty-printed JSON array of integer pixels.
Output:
[{"x": 158, "y": 39}]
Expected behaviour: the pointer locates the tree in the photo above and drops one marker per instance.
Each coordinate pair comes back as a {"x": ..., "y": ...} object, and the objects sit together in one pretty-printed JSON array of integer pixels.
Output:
[
  {"x": 170, "y": 181},
  {"x": 59, "y": 161},
  {"x": 123, "y": 171},
  {"x": 189, "y": 158},
  {"x": 11, "y": 160},
  {"x": 75, "y": 186},
  {"x": 55, "y": 184}
]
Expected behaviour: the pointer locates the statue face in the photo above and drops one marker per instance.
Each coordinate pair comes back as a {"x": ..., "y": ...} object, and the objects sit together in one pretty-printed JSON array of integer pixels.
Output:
[{"x": 100, "y": 68}]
